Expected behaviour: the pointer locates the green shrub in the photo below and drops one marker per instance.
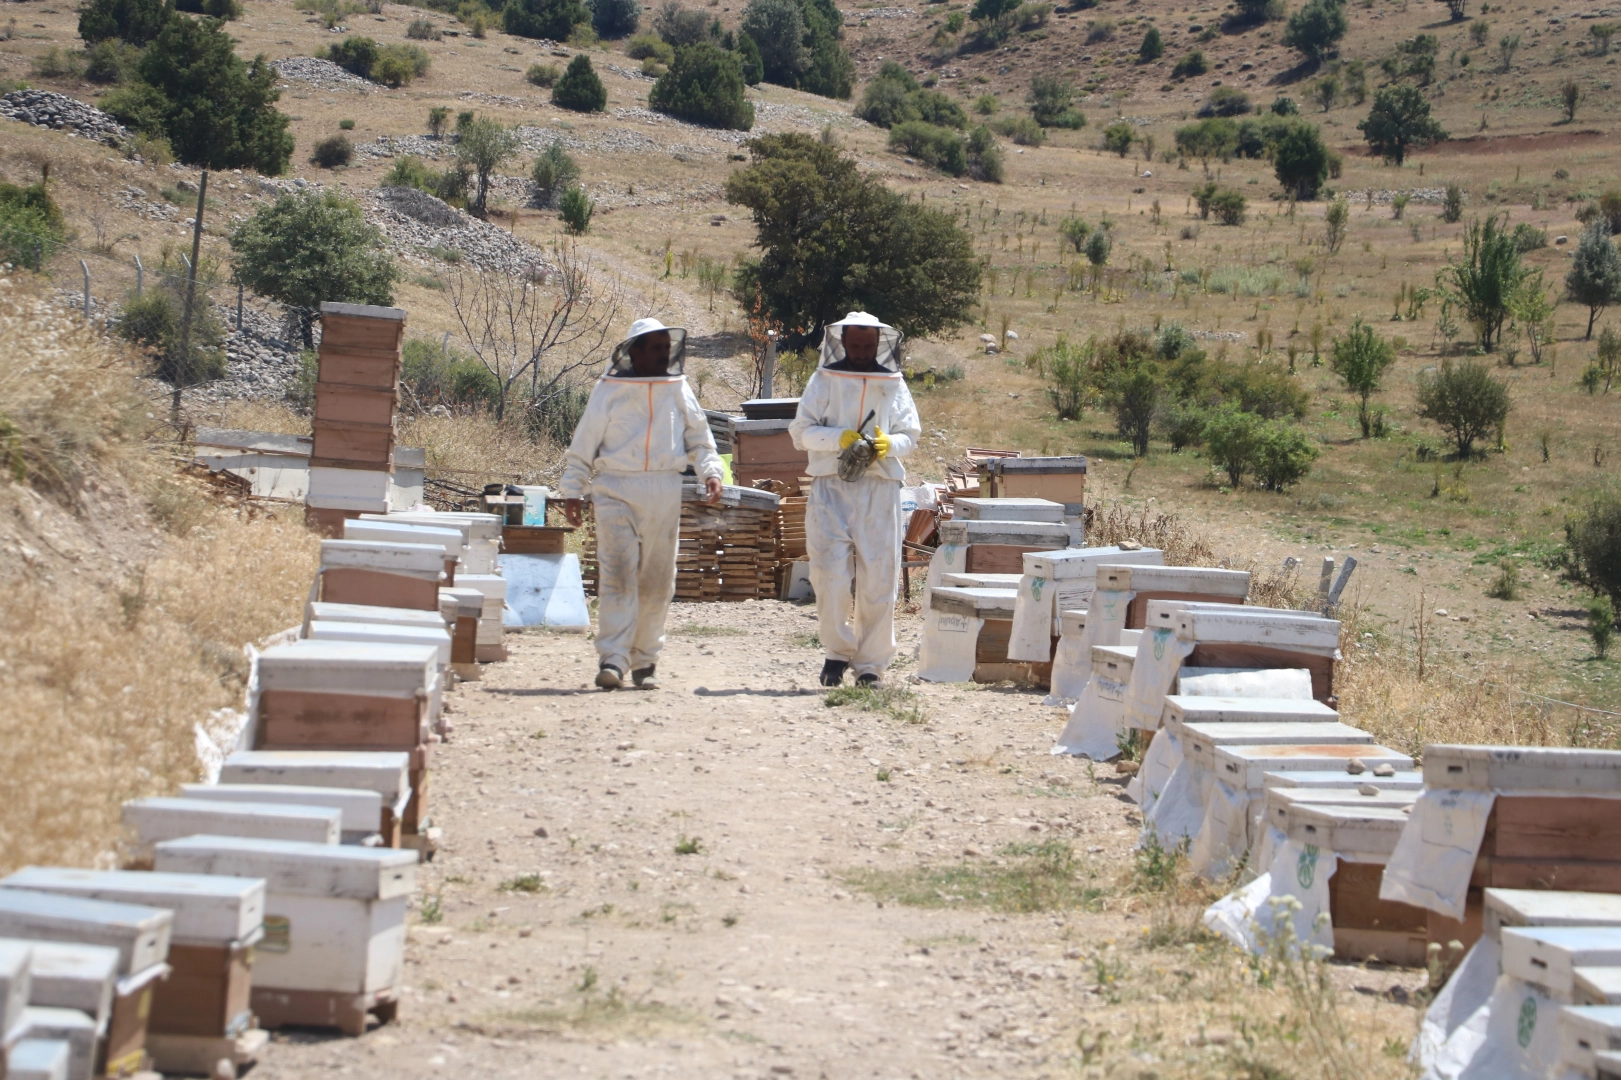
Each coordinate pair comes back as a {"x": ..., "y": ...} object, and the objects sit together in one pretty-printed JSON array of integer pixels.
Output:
[
  {"x": 1592, "y": 553},
  {"x": 110, "y": 62},
  {"x": 1233, "y": 440},
  {"x": 1182, "y": 424},
  {"x": 1601, "y": 624},
  {"x": 555, "y": 172},
  {"x": 987, "y": 105},
  {"x": 1021, "y": 129},
  {"x": 551, "y": 19},
  {"x": 1464, "y": 400},
  {"x": 355, "y": 54},
  {"x": 397, "y": 65},
  {"x": 1190, "y": 65},
  {"x": 643, "y": 46},
  {"x": 615, "y": 18},
  {"x": 1225, "y": 101},
  {"x": 704, "y": 85},
  {"x": 1074, "y": 231},
  {"x": 135, "y": 22},
  {"x": 346, "y": 125},
  {"x": 985, "y": 159},
  {"x": 1283, "y": 456},
  {"x": 423, "y": 30},
  {"x": 56, "y": 63},
  {"x": 1066, "y": 369},
  {"x": 332, "y": 152},
  {"x": 1152, "y": 48},
  {"x": 1229, "y": 206},
  {"x": 436, "y": 376},
  {"x": 576, "y": 210},
  {"x": 895, "y": 97},
  {"x": 543, "y": 75},
  {"x": 579, "y": 89},
  {"x": 938, "y": 147},
  {"x": 152, "y": 320},
  {"x": 1051, "y": 102},
  {"x": 408, "y": 170},
  {"x": 31, "y": 226},
  {"x": 1118, "y": 137}
]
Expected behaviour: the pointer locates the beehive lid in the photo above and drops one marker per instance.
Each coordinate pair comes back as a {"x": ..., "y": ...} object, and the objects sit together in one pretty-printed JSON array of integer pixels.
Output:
[
  {"x": 349, "y": 667},
  {"x": 1022, "y": 533},
  {"x": 1081, "y": 564},
  {"x": 207, "y": 909},
  {"x": 1598, "y": 985},
  {"x": 1054, "y": 464},
  {"x": 166, "y": 817},
  {"x": 1548, "y": 907},
  {"x": 140, "y": 934},
  {"x": 40, "y": 1059},
  {"x": 1548, "y": 956},
  {"x": 464, "y": 602},
  {"x": 1186, "y": 709},
  {"x": 451, "y": 541},
  {"x": 420, "y": 560},
  {"x": 436, "y": 637},
  {"x": 385, "y": 772},
  {"x": 1584, "y": 1031},
  {"x": 1206, "y": 737},
  {"x": 476, "y": 527},
  {"x": 981, "y": 581},
  {"x": 1523, "y": 768},
  {"x": 1072, "y": 622},
  {"x": 326, "y": 611},
  {"x": 1363, "y": 830},
  {"x": 1008, "y": 510},
  {"x": 361, "y": 810},
  {"x": 1408, "y": 779},
  {"x": 1351, "y": 795},
  {"x": 427, "y": 521},
  {"x": 1312, "y": 636},
  {"x": 1114, "y": 661},
  {"x": 489, "y": 586},
  {"x": 15, "y": 966},
  {"x": 300, "y": 869},
  {"x": 977, "y": 603},
  {"x": 1244, "y": 766},
  {"x": 1199, "y": 580},
  {"x": 80, "y": 977}
]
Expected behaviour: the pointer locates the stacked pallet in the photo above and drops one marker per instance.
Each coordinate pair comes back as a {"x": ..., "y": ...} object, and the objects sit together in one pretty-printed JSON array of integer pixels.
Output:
[
  {"x": 726, "y": 552},
  {"x": 357, "y": 393}
]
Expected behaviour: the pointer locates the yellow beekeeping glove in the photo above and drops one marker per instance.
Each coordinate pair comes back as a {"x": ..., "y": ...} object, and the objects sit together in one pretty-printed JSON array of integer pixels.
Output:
[
  {"x": 880, "y": 442},
  {"x": 849, "y": 439}
]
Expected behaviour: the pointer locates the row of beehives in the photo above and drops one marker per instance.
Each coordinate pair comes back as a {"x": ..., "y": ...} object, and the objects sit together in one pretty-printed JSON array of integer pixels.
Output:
[
  {"x": 275, "y": 896},
  {"x": 1246, "y": 765}
]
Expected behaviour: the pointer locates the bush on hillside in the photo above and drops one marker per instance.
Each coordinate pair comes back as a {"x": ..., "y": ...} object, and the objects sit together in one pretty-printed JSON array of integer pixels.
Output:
[
  {"x": 1316, "y": 28},
  {"x": 1051, "y": 101},
  {"x": 580, "y": 89},
  {"x": 680, "y": 25},
  {"x": 895, "y": 97},
  {"x": 543, "y": 75},
  {"x": 936, "y": 146},
  {"x": 615, "y": 18},
  {"x": 552, "y": 20},
  {"x": 575, "y": 210},
  {"x": 1021, "y": 129},
  {"x": 437, "y": 376},
  {"x": 423, "y": 30},
  {"x": 555, "y": 172},
  {"x": 1119, "y": 136},
  {"x": 645, "y": 46},
  {"x": 985, "y": 159},
  {"x": 152, "y": 320},
  {"x": 32, "y": 228},
  {"x": 134, "y": 21},
  {"x": 1465, "y": 401},
  {"x": 704, "y": 85},
  {"x": 1190, "y": 65},
  {"x": 1225, "y": 101},
  {"x": 1592, "y": 554},
  {"x": 332, "y": 152}
]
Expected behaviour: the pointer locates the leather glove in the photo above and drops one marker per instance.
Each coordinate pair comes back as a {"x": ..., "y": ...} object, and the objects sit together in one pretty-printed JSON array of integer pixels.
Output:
[
  {"x": 849, "y": 438},
  {"x": 880, "y": 443}
]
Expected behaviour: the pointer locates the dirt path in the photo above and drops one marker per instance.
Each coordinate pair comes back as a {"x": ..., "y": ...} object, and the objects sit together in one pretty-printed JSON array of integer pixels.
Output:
[{"x": 755, "y": 955}]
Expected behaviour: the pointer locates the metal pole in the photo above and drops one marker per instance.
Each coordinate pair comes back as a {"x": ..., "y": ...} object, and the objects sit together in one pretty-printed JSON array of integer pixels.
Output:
[
  {"x": 86, "y": 268},
  {"x": 768, "y": 371},
  {"x": 191, "y": 294},
  {"x": 140, "y": 276}
]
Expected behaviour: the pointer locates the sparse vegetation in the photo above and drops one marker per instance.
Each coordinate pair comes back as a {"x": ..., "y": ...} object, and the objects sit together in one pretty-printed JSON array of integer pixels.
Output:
[
  {"x": 580, "y": 89},
  {"x": 704, "y": 85},
  {"x": 1024, "y": 878},
  {"x": 1361, "y": 357},
  {"x": 1465, "y": 401},
  {"x": 1399, "y": 121}
]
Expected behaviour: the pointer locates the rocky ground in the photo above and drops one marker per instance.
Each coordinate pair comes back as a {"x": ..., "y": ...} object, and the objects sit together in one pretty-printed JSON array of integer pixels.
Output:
[
  {"x": 699, "y": 881},
  {"x": 44, "y": 108}
]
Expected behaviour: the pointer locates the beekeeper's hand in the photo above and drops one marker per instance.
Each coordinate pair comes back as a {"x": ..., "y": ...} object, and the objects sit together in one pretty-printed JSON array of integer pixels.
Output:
[
  {"x": 849, "y": 438},
  {"x": 880, "y": 443},
  {"x": 712, "y": 491},
  {"x": 574, "y": 511}
]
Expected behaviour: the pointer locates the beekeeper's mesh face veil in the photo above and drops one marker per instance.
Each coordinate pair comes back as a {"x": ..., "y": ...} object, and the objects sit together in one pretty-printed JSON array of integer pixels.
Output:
[
  {"x": 622, "y": 365},
  {"x": 835, "y": 353}
]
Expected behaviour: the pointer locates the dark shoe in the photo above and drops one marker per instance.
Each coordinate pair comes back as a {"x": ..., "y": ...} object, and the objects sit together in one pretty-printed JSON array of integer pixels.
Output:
[
  {"x": 645, "y": 678},
  {"x": 610, "y": 677},
  {"x": 869, "y": 680},
  {"x": 833, "y": 672}
]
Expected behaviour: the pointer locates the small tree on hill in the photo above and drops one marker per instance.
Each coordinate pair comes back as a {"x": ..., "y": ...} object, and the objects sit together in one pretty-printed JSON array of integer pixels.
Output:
[
  {"x": 1455, "y": 8},
  {"x": 1300, "y": 160},
  {"x": 555, "y": 172},
  {"x": 1594, "y": 279},
  {"x": 778, "y": 28},
  {"x": 1152, "y": 48},
  {"x": 704, "y": 85},
  {"x": 1465, "y": 401},
  {"x": 1361, "y": 358},
  {"x": 1133, "y": 392},
  {"x": 134, "y": 21},
  {"x": 579, "y": 88},
  {"x": 1233, "y": 440},
  {"x": 1251, "y": 12},
  {"x": 1399, "y": 120},
  {"x": 1592, "y": 555},
  {"x": 551, "y": 19},
  {"x": 575, "y": 210},
  {"x": 483, "y": 146},
  {"x": 308, "y": 248},
  {"x": 615, "y": 18},
  {"x": 1051, "y": 102},
  {"x": 1485, "y": 284},
  {"x": 1119, "y": 136},
  {"x": 1316, "y": 29},
  {"x": 748, "y": 54}
]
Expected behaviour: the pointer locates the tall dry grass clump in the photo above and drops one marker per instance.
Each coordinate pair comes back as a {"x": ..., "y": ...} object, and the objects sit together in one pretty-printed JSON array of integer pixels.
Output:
[
  {"x": 474, "y": 446},
  {"x": 118, "y": 650},
  {"x": 1111, "y": 523}
]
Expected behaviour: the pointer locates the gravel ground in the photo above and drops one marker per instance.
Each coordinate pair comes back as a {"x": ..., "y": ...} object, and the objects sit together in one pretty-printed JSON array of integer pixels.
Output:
[{"x": 417, "y": 222}]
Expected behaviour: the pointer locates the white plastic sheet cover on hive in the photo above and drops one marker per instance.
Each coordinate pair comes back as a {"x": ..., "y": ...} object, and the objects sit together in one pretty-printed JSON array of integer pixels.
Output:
[
  {"x": 545, "y": 590},
  {"x": 334, "y": 915},
  {"x": 1055, "y": 581},
  {"x": 951, "y": 630},
  {"x": 425, "y": 561},
  {"x": 956, "y": 536},
  {"x": 68, "y": 976},
  {"x": 1433, "y": 863}
]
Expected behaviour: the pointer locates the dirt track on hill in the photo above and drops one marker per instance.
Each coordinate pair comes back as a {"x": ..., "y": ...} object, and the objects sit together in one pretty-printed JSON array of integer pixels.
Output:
[{"x": 754, "y": 956}]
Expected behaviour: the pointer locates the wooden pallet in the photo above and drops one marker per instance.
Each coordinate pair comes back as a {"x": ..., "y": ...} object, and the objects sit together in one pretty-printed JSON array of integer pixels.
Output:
[{"x": 323, "y": 1008}]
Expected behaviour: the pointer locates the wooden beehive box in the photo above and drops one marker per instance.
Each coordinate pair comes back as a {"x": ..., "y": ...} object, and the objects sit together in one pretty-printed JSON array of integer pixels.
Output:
[
  {"x": 764, "y": 450},
  {"x": 387, "y": 774},
  {"x": 382, "y": 575},
  {"x": 1193, "y": 583},
  {"x": 1057, "y": 479},
  {"x": 344, "y": 695},
  {"x": 998, "y": 547},
  {"x": 401, "y": 532},
  {"x": 357, "y": 386}
]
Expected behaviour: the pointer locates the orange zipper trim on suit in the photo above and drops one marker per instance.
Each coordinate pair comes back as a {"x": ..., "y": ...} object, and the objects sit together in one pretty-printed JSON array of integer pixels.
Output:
[{"x": 647, "y": 447}]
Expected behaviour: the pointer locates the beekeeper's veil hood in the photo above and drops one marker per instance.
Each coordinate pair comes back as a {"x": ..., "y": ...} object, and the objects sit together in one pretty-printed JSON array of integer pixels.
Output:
[
  {"x": 889, "y": 343},
  {"x": 620, "y": 365}
]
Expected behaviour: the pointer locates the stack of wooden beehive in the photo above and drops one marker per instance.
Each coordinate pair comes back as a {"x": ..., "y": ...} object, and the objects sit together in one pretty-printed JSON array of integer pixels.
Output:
[{"x": 726, "y": 552}]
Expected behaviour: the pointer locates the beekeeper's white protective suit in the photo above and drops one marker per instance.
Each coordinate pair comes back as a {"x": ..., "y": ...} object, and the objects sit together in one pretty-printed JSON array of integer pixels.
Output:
[
  {"x": 853, "y": 528},
  {"x": 636, "y": 438}
]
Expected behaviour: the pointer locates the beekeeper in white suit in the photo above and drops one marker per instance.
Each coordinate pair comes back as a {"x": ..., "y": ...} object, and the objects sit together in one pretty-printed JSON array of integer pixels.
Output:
[
  {"x": 856, "y": 420},
  {"x": 641, "y": 429}
]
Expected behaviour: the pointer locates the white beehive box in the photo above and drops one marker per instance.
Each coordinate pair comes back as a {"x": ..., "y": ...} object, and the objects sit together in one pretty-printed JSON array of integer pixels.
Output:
[
  {"x": 1598, "y": 986},
  {"x": 1585, "y": 1031},
  {"x": 335, "y": 915},
  {"x": 481, "y": 534},
  {"x": 1243, "y": 767},
  {"x": 1081, "y": 564},
  {"x": 1008, "y": 510},
  {"x": 1523, "y": 768},
  {"x": 400, "y": 532},
  {"x": 360, "y": 810},
  {"x": 1306, "y": 779},
  {"x": 459, "y": 602},
  {"x": 436, "y": 637},
  {"x": 426, "y": 561},
  {"x": 65, "y": 1025},
  {"x": 974, "y": 603},
  {"x": 1114, "y": 663},
  {"x": 1547, "y": 956},
  {"x": 208, "y": 909},
  {"x": 15, "y": 975},
  {"x": 327, "y": 611},
  {"x": 1347, "y": 830},
  {"x": 492, "y": 587},
  {"x": 1245, "y": 626},
  {"x": 1196, "y": 580},
  {"x": 980, "y": 581},
  {"x": 1186, "y": 709},
  {"x": 1281, "y": 801},
  {"x": 386, "y": 772},
  {"x": 166, "y": 818},
  {"x": 1547, "y": 907},
  {"x": 344, "y": 667},
  {"x": 1051, "y": 535},
  {"x": 39, "y": 1059},
  {"x": 140, "y": 934},
  {"x": 81, "y": 977},
  {"x": 1201, "y": 741}
]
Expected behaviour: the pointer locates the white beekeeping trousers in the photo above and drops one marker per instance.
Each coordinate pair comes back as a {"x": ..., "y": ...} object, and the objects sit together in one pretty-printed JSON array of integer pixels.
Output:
[
  {"x": 638, "y": 530},
  {"x": 853, "y": 533}
]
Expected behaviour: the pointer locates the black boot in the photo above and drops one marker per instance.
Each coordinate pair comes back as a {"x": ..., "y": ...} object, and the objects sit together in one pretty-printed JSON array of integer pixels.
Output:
[
  {"x": 646, "y": 678},
  {"x": 610, "y": 677},
  {"x": 869, "y": 680},
  {"x": 833, "y": 672}
]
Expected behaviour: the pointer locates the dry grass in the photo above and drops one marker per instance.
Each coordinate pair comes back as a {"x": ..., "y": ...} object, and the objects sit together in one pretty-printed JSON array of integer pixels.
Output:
[
  {"x": 472, "y": 449},
  {"x": 1114, "y": 522},
  {"x": 116, "y": 652}
]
